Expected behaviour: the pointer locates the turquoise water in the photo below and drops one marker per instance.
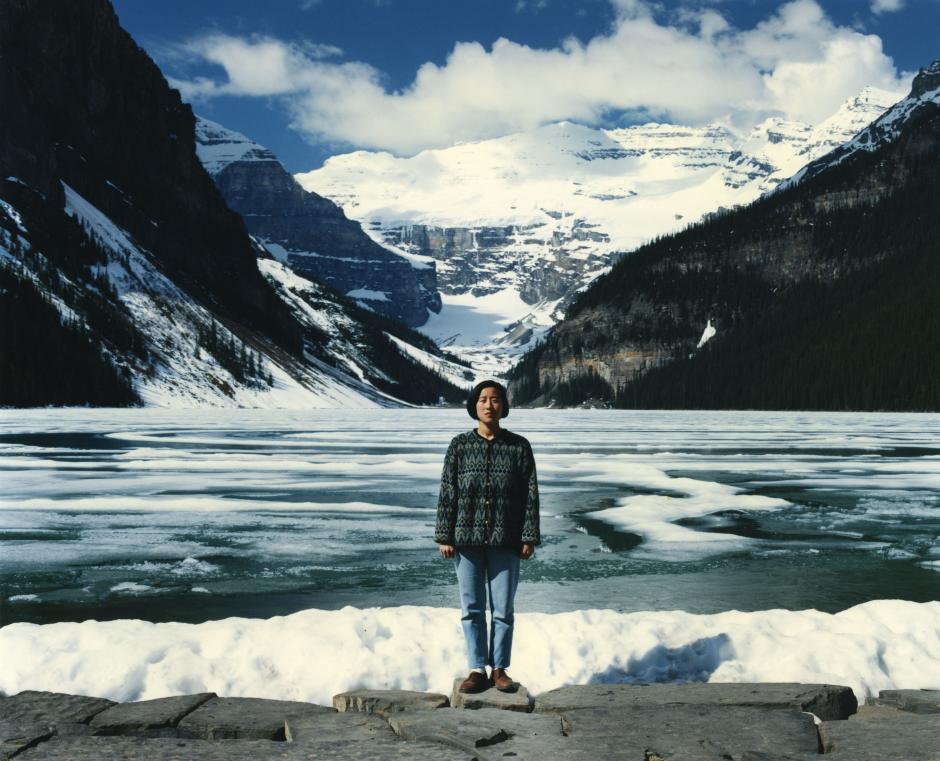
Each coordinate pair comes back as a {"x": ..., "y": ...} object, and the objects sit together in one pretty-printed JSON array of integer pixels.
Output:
[{"x": 198, "y": 515}]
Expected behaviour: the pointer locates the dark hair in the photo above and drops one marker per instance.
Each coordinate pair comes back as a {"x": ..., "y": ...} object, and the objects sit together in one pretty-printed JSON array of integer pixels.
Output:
[{"x": 475, "y": 397}]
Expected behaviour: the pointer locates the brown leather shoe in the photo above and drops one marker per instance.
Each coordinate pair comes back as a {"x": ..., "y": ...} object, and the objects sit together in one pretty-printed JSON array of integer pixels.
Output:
[
  {"x": 476, "y": 682},
  {"x": 501, "y": 681}
]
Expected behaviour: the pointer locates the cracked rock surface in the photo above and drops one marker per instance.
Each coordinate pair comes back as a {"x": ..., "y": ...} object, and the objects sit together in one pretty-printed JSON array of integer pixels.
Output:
[{"x": 662, "y": 722}]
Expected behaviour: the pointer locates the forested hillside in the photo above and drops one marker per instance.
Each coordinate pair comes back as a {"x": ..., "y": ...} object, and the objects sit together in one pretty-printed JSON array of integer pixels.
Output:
[{"x": 823, "y": 296}]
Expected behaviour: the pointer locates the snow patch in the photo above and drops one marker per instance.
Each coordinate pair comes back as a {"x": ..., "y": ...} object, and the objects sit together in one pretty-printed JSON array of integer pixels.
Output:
[
  {"x": 218, "y": 146},
  {"x": 707, "y": 334},
  {"x": 365, "y": 293},
  {"x": 131, "y": 587}
]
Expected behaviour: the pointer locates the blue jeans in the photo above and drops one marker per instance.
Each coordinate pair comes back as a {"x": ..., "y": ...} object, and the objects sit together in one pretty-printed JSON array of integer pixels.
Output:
[{"x": 480, "y": 569}]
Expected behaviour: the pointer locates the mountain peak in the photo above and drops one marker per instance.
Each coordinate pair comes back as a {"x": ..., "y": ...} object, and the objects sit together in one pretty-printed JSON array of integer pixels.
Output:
[
  {"x": 219, "y": 146},
  {"x": 927, "y": 80},
  {"x": 925, "y": 93}
]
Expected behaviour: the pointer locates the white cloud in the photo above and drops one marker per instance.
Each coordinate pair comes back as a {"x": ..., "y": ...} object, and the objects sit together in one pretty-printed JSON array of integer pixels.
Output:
[
  {"x": 886, "y": 6},
  {"x": 796, "y": 63}
]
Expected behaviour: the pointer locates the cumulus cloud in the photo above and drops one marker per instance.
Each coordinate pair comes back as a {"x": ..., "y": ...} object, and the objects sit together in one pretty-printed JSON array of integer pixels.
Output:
[
  {"x": 691, "y": 68},
  {"x": 886, "y": 6}
]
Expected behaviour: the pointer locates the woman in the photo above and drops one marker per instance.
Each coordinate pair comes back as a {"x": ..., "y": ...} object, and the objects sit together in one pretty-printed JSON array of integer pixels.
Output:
[{"x": 487, "y": 519}]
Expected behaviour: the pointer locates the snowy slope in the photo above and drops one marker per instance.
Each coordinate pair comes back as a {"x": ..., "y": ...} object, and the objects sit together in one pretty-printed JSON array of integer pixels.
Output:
[
  {"x": 315, "y": 306},
  {"x": 186, "y": 376},
  {"x": 218, "y": 146},
  {"x": 339, "y": 367},
  {"x": 635, "y": 183},
  {"x": 534, "y": 216},
  {"x": 885, "y": 128}
]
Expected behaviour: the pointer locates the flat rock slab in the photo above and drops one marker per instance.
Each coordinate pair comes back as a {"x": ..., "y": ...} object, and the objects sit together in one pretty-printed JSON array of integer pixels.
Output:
[
  {"x": 385, "y": 702},
  {"x": 702, "y": 732},
  {"x": 491, "y": 698},
  {"x": 486, "y": 734},
  {"x": 243, "y": 718},
  {"x": 351, "y": 735},
  {"x": 16, "y": 737},
  {"x": 157, "y": 749},
  {"x": 914, "y": 701},
  {"x": 903, "y": 736},
  {"x": 828, "y": 702},
  {"x": 32, "y": 707},
  {"x": 147, "y": 716}
]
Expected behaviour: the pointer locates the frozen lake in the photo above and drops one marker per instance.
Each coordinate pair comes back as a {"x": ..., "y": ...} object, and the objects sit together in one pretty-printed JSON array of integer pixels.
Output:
[{"x": 199, "y": 515}]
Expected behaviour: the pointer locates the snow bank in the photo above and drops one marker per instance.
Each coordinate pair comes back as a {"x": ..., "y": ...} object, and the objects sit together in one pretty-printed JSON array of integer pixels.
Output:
[{"x": 315, "y": 654}]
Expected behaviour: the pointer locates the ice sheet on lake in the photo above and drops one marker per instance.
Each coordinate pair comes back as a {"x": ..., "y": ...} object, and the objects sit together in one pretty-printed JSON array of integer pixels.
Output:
[{"x": 259, "y": 491}]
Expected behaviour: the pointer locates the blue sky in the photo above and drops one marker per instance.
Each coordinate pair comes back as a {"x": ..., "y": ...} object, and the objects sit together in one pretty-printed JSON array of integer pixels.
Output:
[{"x": 310, "y": 78}]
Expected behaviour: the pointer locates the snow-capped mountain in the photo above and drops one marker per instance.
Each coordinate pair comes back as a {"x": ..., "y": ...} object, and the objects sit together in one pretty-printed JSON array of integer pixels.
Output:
[
  {"x": 184, "y": 357},
  {"x": 186, "y": 374},
  {"x": 925, "y": 94},
  {"x": 312, "y": 234},
  {"x": 124, "y": 277},
  {"x": 519, "y": 223},
  {"x": 819, "y": 296}
]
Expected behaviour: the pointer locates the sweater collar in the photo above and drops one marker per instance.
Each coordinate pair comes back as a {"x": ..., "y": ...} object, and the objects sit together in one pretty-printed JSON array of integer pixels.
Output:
[{"x": 499, "y": 435}]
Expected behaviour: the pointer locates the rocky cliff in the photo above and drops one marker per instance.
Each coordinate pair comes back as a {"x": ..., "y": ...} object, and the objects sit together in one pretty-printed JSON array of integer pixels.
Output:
[
  {"x": 312, "y": 234},
  {"x": 83, "y": 105}
]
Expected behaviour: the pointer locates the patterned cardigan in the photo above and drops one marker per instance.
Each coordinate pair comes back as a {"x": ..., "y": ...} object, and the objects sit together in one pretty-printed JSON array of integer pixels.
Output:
[{"x": 489, "y": 492}]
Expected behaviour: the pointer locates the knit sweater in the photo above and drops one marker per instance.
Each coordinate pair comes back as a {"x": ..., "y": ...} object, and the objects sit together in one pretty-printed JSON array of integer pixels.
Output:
[{"x": 489, "y": 492}]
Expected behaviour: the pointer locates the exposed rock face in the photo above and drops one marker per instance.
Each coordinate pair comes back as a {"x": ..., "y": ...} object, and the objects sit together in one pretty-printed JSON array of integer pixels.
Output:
[
  {"x": 385, "y": 702},
  {"x": 84, "y": 105},
  {"x": 913, "y": 701},
  {"x": 487, "y": 260},
  {"x": 310, "y": 233}
]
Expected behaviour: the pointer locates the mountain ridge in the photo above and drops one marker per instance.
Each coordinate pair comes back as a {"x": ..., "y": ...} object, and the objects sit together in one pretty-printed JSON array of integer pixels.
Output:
[
  {"x": 311, "y": 233},
  {"x": 532, "y": 218},
  {"x": 781, "y": 281},
  {"x": 119, "y": 252}
]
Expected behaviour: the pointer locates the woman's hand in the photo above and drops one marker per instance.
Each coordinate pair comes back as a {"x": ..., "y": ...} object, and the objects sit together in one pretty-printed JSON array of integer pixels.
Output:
[
  {"x": 527, "y": 551},
  {"x": 447, "y": 550}
]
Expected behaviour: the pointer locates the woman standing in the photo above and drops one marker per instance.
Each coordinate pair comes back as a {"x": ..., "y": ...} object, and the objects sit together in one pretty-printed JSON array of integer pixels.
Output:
[{"x": 487, "y": 519}]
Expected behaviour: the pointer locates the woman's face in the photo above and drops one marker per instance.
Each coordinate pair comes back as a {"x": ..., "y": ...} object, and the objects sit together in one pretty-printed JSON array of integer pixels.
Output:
[{"x": 490, "y": 405}]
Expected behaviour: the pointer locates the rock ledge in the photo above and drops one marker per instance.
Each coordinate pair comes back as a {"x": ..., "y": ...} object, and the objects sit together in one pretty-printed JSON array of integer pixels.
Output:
[{"x": 665, "y": 722}]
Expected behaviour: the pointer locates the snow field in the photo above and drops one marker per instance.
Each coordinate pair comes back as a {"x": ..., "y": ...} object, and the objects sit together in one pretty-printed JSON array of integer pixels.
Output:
[{"x": 314, "y": 654}]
